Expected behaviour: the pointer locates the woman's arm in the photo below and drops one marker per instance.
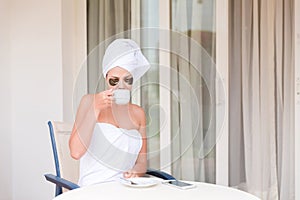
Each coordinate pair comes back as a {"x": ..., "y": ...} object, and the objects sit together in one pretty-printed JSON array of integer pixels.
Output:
[
  {"x": 86, "y": 118},
  {"x": 83, "y": 127},
  {"x": 140, "y": 166}
]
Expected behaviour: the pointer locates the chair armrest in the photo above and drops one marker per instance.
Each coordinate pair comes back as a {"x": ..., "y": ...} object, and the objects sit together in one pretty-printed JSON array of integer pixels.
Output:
[
  {"x": 61, "y": 182},
  {"x": 160, "y": 174}
]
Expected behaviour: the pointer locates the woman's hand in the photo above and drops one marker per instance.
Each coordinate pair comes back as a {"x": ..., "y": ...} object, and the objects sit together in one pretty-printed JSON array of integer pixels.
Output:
[
  {"x": 130, "y": 174},
  {"x": 103, "y": 100}
]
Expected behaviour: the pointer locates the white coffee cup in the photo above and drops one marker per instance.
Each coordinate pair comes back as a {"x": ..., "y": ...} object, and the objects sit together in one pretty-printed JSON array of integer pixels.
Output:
[{"x": 121, "y": 96}]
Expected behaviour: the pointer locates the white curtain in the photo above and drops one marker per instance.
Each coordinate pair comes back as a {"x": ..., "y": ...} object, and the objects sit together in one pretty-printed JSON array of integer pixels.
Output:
[
  {"x": 261, "y": 98},
  {"x": 106, "y": 21},
  {"x": 193, "y": 90}
]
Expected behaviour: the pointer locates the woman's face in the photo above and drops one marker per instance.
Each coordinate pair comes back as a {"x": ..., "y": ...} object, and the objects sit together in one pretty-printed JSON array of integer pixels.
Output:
[{"x": 119, "y": 78}]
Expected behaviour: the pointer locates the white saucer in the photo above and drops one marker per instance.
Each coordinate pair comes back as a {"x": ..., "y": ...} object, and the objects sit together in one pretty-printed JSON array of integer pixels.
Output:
[{"x": 139, "y": 182}]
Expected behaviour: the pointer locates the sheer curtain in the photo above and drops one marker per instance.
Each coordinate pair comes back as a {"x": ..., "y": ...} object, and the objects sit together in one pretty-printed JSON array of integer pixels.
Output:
[
  {"x": 106, "y": 20},
  {"x": 261, "y": 98},
  {"x": 193, "y": 93}
]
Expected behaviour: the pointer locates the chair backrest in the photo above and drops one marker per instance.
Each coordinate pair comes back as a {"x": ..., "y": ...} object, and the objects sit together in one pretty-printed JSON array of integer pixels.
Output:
[{"x": 66, "y": 167}]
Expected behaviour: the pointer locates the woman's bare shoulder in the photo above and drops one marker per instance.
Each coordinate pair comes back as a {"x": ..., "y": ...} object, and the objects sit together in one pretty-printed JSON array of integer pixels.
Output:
[
  {"x": 138, "y": 113},
  {"x": 87, "y": 100},
  {"x": 137, "y": 109}
]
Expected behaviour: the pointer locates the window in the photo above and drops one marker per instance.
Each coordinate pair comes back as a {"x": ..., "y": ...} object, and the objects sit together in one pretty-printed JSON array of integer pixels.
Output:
[{"x": 179, "y": 92}]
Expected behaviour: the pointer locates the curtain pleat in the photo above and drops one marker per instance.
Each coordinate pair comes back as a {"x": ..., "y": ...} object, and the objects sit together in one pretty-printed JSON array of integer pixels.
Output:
[
  {"x": 193, "y": 117},
  {"x": 285, "y": 132},
  {"x": 262, "y": 57}
]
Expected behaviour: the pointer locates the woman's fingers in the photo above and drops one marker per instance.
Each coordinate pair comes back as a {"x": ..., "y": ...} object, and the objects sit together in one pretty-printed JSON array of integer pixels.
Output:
[
  {"x": 103, "y": 99},
  {"x": 127, "y": 174},
  {"x": 108, "y": 100},
  {"x": 108, "y": 94},
  {"x": 130, "y": 174}
]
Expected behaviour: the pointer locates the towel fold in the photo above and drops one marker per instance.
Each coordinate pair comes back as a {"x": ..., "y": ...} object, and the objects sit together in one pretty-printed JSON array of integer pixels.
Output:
[{"x": 125, "y": 53}]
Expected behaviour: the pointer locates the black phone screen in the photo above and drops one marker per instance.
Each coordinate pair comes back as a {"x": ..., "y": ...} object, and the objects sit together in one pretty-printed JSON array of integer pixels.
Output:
[{"x": 179, "y": 183}]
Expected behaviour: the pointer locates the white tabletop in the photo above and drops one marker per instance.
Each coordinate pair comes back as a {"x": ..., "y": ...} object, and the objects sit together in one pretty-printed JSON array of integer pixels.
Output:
[{"x": 117, "y": 190}]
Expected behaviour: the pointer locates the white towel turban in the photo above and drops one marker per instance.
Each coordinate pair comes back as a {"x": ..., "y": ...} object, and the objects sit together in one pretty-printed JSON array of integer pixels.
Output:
[{"x": 125, "y": 53}]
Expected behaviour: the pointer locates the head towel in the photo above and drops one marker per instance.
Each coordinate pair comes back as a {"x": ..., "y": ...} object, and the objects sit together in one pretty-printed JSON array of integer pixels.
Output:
[{"x": 125, "y": 53}]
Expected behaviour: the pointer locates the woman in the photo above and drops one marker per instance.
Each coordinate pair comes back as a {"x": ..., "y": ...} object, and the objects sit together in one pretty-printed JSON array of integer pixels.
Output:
[{"x": 109, "y": 138}]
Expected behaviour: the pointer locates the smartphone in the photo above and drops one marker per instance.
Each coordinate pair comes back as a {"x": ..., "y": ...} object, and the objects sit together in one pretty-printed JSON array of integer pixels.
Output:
[{"x": 180, "y": 184}]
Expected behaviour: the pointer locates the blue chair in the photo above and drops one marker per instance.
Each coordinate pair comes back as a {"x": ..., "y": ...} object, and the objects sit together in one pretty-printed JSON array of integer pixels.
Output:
[{"x": 67, "y": 167}]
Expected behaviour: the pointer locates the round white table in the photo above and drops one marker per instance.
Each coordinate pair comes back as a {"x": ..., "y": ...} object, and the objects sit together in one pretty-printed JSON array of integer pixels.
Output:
[{"x": 116, "y": 190}]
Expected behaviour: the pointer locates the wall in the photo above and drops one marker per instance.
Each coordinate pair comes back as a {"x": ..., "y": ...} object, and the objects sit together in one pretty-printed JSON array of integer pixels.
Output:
[
  {"x": 43, "y": 47},
  {"x": 297, "y": 99},
  {"x": 74, "y": 51},
  {"x": 5, "y": 105},
  {"x": 31, "y": 86}
]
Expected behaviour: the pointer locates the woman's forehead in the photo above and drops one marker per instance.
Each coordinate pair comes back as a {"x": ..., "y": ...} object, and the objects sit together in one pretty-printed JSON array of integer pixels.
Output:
[{"x": 118, "y": 72}]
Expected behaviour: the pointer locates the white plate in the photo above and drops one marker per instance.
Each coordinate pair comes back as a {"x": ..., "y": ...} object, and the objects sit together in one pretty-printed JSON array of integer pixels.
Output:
[{"x": 140, "y": 182}]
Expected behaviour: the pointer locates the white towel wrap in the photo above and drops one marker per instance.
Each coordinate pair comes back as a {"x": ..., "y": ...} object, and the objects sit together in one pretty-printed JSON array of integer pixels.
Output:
[
  {"x": 125, "y": 53},
  {"x": 112, "y": 151}
]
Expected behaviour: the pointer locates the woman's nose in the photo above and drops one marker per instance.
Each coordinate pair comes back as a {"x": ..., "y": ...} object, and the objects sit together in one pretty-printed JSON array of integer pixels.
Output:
[{"x": 121, "y": 85}]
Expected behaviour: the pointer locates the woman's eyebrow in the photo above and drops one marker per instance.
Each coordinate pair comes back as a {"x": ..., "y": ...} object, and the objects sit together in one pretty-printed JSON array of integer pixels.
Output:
[{"x": 128, "y": 76}]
